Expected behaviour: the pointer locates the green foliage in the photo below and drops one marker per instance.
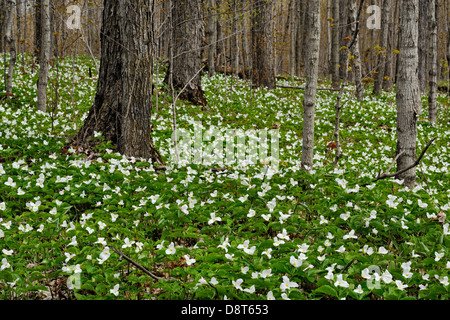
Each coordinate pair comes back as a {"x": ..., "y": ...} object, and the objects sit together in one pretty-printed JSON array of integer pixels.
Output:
[{"x": 61, "y": 215}]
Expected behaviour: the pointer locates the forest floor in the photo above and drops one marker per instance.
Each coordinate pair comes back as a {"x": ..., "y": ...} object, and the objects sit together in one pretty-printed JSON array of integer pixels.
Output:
[{"x": 122, "y": 228}]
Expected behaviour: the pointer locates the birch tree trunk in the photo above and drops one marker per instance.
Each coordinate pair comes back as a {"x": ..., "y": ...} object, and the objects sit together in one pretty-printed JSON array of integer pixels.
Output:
[
  {"x": 382, "y": 55},
  {"x": 122, "y": 107},
  {"x": 44, "y": 56},
  {"x": 433, "y": 59},
  {"x": 263, "y": 74},
  {"x": 312, "y": 74},
  {"x": 408, "y": 92},
  {"x": 188, "y": 33},
  {"x": 11, "y": 41}
]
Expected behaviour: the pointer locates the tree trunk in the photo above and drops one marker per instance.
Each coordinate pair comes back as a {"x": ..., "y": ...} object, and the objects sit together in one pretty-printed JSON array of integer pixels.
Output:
[
  {"x": 37, "y": 29},
  {"x": 235, "y": 41},
  {"x": 382, "y": 54},
  {"x": 293, "y": 32},
  {"x": 44, "y": 56},
  {"x": 408, "y": 92},
  {"x": 122, "y": 107},
  {"x": 299, "y": 41},
  {"x": 187, "y": 39},
  {"x": 389, "y": 70},
  {"x": 433, "y": 60},
  {"x": 212, "y": 37},
  {"x": 423, "y": 45},
  {"x": 11, "y": 41},
  {"x": 334, "y": 60},
  {"x": 312, "y": 74},
  {"x": 343, "y": 33},
  {"x": 263, "y": 74},
  {"x": 353, "y": 14}
]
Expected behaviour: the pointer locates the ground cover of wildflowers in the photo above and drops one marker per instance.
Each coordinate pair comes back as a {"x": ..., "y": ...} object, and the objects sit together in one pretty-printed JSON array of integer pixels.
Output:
[{"x": 241, "y": 232}]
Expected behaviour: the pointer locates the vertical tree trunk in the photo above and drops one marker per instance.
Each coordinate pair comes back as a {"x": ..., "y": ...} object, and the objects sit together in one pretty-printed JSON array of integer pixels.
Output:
[
  {"x": 11, "y": 41},
  {"x": 423, "y": 45},
  {"x": 343, "y": 33},
  {"x": 433, "y": 60},
  {"x": 293, "y": 32},
  {"x": 353, "y": 14},
  {"x": 187, "y": 39},
  {"x": 245, "y": 44},
  {"x": 44, "y": 56},
  {"x": 37, "y": 29},
  {"x": 221, "y": 53},
  {"x": 383, "y": 52},
  {"x": 122, "y": 107},
  {"x": 389, "y": 70},
  {"x": 408, "y": 92},
  {"x": 299, "y": 41},
  {"x": 312, "y": 74},
  {"x": 334, "y": 61},
  {"x": 263, "y": 74},
  {"x": 212, "y": 36},
  {"x": 235, "y": 41}
]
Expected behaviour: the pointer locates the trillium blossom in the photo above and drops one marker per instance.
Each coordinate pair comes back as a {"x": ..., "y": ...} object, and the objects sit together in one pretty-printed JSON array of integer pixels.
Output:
[
  {"x": 266, "y": 273},
  {"x": 184, "y": 209},
  {"x": 296, "y": 262},
  {"x": 386, "y": 277},
  {"x": 340, "y": 282},
  {"x": 74, "y": 241},
  {"x": 350, "y": 235},
  {"x": 127, "y": 244},
  {"x": 171, "y": 249},
  {"x": 342, "y": 183},
  {"x": 115, "y": 290},
  {"x": 237, "y": 284},
  {"x": 214, "y": 218},
  {"x": 358, "y": 289},
  {"x": 5, "y": 264},
  {"x": 422, "y": 204},
  {"x": 189, "y": 260},
  {"x": 391, "y": 202},
  {"x": 400, "y": 285},
  {"x": 382, "y": 250},
  {"x": 287, "y": 284}
]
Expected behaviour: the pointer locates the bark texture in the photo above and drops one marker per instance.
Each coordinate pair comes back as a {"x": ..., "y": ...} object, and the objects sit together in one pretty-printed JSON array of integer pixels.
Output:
[
  {"x": 334, "y": 59},
  {"x": 10, "y": 40},
  {"x": 263, "y": 74},
  {"x": 433, "y": 60},
  {"x": 357, "y": 69},
  {"x": 44, "y": 56},
  {"x": 123, "y": 103},
  {"x": 187, "y": 39},
  {"x": 408, "y": 92},
  {"x": 382, "y": 54},
  {"x": 312, "y": 74}
]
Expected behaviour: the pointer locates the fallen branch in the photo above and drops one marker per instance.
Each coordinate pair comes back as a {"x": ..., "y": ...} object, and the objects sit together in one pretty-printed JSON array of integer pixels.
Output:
[
  {"x": 137, "y": 265},
  {"x": 386, "y": 174}
]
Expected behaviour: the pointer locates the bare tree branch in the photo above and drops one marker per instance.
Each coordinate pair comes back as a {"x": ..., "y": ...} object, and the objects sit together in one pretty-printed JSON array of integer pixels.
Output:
[{"x": 386, "y": 174}]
